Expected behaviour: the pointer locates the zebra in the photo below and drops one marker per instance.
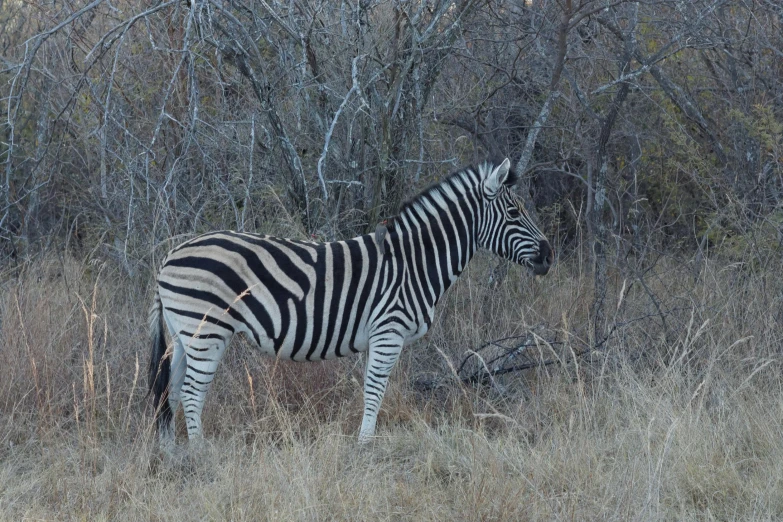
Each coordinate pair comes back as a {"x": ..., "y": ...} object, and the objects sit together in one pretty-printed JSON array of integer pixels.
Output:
[{"x": 310, "y": 301}]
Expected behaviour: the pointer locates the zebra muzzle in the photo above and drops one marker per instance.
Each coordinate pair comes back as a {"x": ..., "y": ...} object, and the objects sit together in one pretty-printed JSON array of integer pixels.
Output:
[{"x": 544, "y": 260}]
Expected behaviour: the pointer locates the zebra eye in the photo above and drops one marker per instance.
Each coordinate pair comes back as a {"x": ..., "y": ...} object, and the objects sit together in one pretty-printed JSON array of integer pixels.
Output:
[{"x": 513, "y": 213}]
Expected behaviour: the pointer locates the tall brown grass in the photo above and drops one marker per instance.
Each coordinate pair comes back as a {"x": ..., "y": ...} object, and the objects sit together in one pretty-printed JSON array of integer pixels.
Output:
[{"x": 677, "y": 417}]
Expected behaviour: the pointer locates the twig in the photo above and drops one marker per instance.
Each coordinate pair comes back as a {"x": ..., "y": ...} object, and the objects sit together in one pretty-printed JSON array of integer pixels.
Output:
[
  {"x": 354, "y": 88},
  {"x": 250, "y": 175}
]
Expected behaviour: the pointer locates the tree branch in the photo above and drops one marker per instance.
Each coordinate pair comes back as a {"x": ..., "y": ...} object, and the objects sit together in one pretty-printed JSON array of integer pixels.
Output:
[{"x": 354, "y": 88}]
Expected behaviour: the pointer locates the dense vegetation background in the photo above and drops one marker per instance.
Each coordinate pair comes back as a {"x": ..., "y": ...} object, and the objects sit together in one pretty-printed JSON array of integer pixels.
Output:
[{"x": 641, "y": 378}]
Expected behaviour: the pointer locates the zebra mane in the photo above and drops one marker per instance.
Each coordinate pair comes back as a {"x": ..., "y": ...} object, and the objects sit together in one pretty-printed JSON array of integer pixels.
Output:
[{"x": 455, "y": 182}]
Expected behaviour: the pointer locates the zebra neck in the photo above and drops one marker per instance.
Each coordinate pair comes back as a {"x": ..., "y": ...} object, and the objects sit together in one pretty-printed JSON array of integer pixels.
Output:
[{"x": 435, "y": 247}]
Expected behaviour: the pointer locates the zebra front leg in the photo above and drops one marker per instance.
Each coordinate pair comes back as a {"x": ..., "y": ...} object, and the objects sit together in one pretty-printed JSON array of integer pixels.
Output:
[{"x": 381, "y": 358}]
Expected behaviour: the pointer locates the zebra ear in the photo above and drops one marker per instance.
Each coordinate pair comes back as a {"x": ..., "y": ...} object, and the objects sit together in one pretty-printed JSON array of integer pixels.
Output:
[{"x": 497, "y": 178}]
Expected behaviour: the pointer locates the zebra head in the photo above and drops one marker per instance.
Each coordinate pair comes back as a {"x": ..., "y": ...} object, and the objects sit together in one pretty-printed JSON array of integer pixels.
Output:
[{"x": 506, "y": 228}]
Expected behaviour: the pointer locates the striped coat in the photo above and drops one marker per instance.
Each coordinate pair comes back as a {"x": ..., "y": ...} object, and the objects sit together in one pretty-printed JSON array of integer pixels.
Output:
[{"x": 312, "y": 301}]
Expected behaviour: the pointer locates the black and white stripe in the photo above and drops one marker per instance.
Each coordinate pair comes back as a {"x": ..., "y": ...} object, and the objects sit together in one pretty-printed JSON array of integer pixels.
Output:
[{"x": 311, "y": 301}]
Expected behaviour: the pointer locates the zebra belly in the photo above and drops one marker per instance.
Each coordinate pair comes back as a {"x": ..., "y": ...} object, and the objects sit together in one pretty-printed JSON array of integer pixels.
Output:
[{"x": 288, "y": 348}]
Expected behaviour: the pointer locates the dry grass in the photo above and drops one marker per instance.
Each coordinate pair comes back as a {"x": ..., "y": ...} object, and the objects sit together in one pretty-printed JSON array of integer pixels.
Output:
[{"x": 674, "y": 422}]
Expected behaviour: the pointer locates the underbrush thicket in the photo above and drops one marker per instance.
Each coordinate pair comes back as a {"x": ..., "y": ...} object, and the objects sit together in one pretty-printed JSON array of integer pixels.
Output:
[{"x": 677, "y": 415}]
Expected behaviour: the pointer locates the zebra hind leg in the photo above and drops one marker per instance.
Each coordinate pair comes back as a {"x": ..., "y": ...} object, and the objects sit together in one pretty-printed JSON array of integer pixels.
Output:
[
  {"x": 202, "y": 356},
  {"x": 381, "y": 359}
]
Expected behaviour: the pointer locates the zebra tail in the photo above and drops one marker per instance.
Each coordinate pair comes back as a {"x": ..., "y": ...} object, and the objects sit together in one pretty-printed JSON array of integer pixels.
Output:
[{"x": 160, "y": 365}]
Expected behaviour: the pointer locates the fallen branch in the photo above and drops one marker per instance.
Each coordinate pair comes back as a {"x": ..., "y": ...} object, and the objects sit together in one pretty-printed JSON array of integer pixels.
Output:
[
  {"x": 502, "y": 363},
  {"x": 479, "y": 378}
]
